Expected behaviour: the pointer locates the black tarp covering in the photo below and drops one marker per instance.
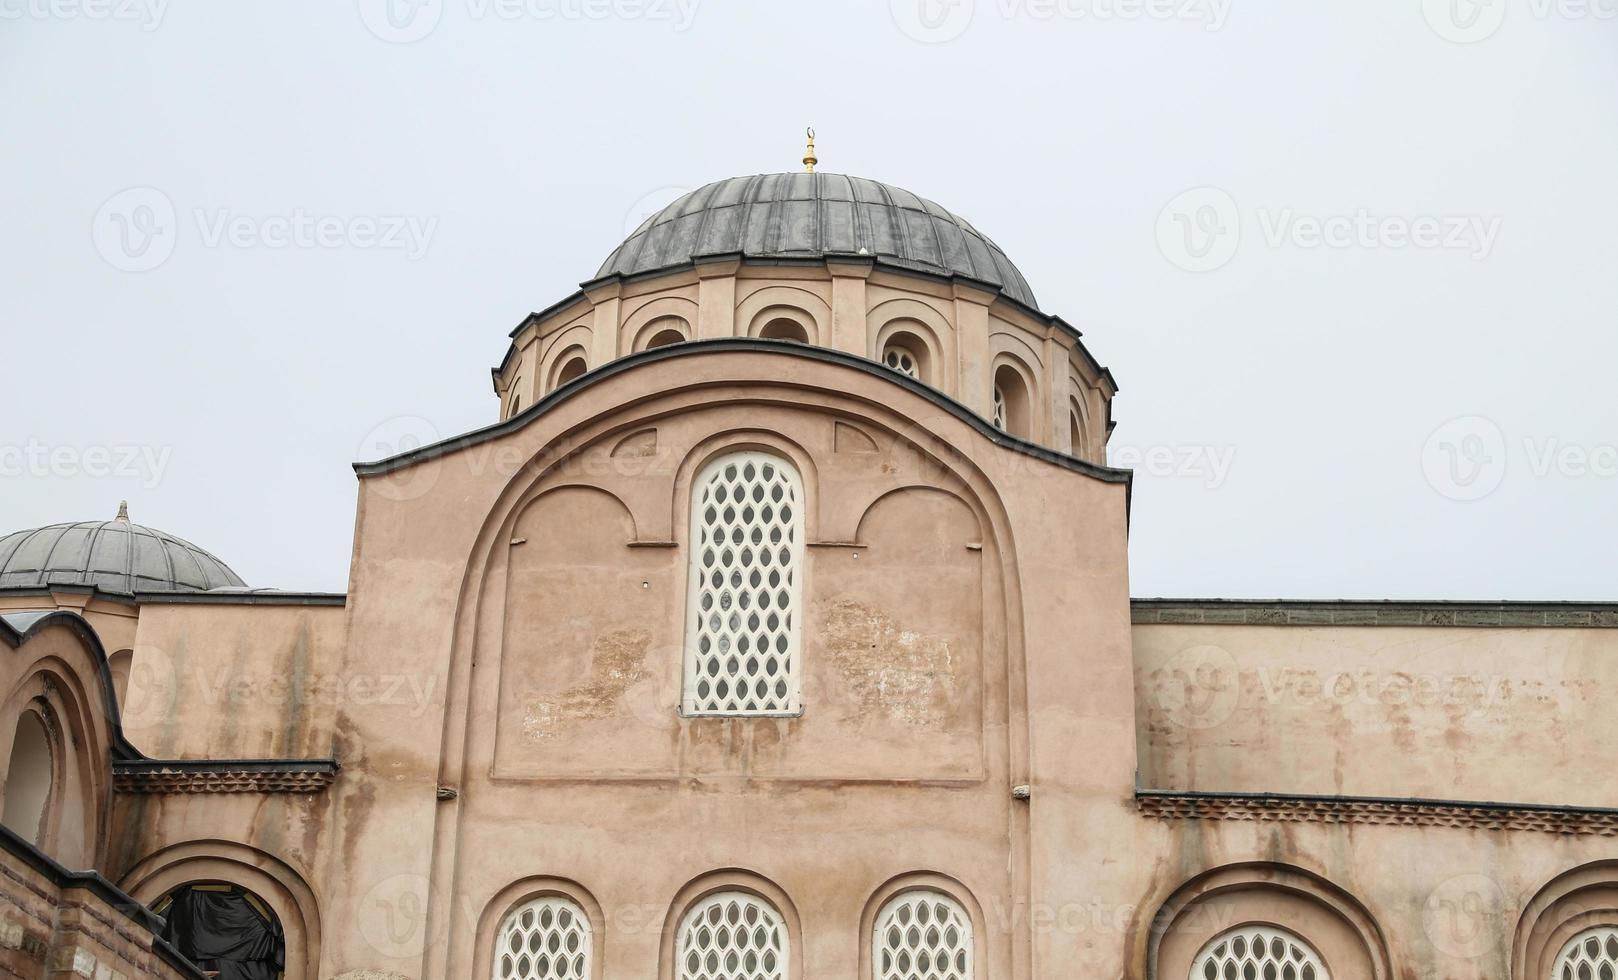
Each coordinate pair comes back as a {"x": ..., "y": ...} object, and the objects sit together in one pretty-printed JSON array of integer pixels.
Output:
[{"x": 220, "y": 930}]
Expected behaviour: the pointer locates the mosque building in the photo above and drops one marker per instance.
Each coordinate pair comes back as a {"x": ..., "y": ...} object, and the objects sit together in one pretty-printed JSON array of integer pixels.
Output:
[{"x": 779, "y": 628}]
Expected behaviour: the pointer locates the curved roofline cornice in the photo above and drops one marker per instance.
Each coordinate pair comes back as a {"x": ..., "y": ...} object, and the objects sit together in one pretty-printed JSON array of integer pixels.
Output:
[
  {"x": 997, "y": 293},
  {"x": 250, "y": 597},
  {"x": 754, "y": 345},
  {"x": 17, "y": 628}
]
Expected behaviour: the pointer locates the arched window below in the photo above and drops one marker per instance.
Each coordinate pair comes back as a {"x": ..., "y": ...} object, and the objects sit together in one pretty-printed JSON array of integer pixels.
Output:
[
  {"x": 1591, "y": 955},
  {"x": 28, "y": 779},
  {"x": 548, "y": 938},
  {"x": 900, "y": 359},
  {"x": 1259, "y": 952},
  {"x": 908, "y": 355},
  {"x": 663, "y": 331},
  {"x": 572, "y": 368},
  {"x": 1011, "y": 403},
  {"x": 785, "y": 328},
  {"x": 225, "y": 929},
  {"x": 745, "y": 586},
  {"x": 664, "y": 338},
  {"x": 922, "y": 933},
  {"x": 732, "y": 936}
]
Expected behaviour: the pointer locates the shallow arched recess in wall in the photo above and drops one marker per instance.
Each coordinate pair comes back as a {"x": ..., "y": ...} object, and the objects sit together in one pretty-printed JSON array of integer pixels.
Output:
[
  {"x": 1571, "y": 903},
  {"x": 511, "y": 899},
  {"x": 1330, "y": 920},
  {"x": 1016, "y": 399},
  {"x": 274, "y": 881},
  {"x": 913, "y": 325},
  {"x": 761, "y": 313},
  {"x": 924, "y": 882},
  {"x": 657, "y": 318},
  {"x": 730, "y": 881},
  {"x": 1080, "y": 429}
]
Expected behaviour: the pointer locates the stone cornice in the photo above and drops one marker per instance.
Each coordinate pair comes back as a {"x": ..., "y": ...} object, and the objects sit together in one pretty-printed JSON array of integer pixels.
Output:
[
  {"x": 1365, "y": 612},
  {"x": 1300, "y": 808},
  {"x": 154, "y": 776}
]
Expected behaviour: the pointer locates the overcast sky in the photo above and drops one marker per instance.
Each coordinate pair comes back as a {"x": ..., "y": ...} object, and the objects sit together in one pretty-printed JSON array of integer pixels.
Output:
[{"x": 1354, "y": 265}]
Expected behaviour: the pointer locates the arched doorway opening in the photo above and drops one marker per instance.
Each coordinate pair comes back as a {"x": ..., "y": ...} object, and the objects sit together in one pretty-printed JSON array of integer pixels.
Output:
[{"x": 225, "y": 929}]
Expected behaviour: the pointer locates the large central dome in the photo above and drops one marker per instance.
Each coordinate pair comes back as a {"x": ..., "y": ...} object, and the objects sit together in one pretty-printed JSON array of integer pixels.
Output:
[{"x": 813, "y": 215}]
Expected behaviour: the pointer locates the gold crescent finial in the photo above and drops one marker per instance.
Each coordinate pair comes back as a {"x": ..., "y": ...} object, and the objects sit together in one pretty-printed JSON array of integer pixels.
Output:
[{"x": 809, "y": 158}]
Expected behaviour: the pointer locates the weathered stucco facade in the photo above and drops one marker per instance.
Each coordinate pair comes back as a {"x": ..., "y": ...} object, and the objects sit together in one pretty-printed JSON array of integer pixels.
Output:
[{"x": 791, "y": 586}]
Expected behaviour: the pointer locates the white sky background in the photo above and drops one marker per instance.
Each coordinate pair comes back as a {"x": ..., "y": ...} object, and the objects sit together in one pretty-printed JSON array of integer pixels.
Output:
[{"x": 1283, "y": 411}]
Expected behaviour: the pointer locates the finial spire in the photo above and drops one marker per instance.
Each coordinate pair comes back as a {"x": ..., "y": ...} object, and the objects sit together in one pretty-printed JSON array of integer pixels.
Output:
[
  {"x": 123, "y": 511},
  {"x": 809, "y": 158}
]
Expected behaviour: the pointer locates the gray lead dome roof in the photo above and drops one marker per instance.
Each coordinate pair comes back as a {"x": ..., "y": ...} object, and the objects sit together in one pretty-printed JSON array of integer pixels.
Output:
[
  {"x": 115, "y": 556},
  {"x": 806, "y": 215}
]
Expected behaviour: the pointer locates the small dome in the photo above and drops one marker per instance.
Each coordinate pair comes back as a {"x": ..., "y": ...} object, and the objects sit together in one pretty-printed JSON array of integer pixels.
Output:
[
  {"x": 114, "y": 555},
  {"x": 813, "y": 215}
]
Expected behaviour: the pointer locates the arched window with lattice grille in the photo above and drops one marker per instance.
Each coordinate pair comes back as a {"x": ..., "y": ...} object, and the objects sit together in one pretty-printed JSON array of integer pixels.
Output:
[
  {"x": 1591, "y": 955},
  {"x": 922, "y": 934},
  {"x": 1258, "y": 951},
  {"x": 733, "y": 936},
  {"x": 545, "y": 939},
  {"x": 746, "y": 581}
]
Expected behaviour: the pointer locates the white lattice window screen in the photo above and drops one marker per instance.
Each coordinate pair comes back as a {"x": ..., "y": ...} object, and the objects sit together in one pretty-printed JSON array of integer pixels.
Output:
[
  {"x": 902, "y": 361},
  {"x": 1258, "y": 953},
  {"x": 999, "y": 408},
  {"x": 546, "y": 939},
  {"x": 1591, "y": 955},
  {"x": 743, "y": 617},
  {"x": 733, "y": 936},
  {"x": 922, "y": 935}
]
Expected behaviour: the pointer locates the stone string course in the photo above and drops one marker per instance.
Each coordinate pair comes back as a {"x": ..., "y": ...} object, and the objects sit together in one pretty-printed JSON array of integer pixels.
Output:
[
  {"x": 1412, "y": 813},
  {"x": 1220, "y": 612},
  {"x": 224, "y": 780}
]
